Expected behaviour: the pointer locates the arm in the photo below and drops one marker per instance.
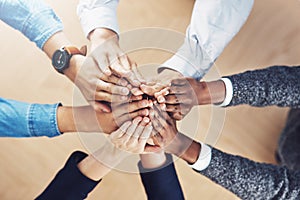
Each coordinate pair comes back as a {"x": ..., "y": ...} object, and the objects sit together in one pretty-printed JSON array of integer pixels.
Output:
[
  {"x": 277, "y": 85},
  {"x": 82, "y": 173},
  {"x": 36, "y": 20},
  {"x": 20, "y": 119},
  {"x": 213, "y": 25},
  {"x": 99, "y": 22},
  {"x": 245, "y": 178},
  {"x": 159, "y": 177}
]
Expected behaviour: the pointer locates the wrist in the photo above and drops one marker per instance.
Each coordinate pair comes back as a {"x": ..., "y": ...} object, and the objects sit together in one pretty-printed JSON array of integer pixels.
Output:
[
  {"x": 100, "y": 35},
  {"x": 65, "y": 120},
  {"x": 210, "y": 92},
  {"x": 153, "y": 160},
  {"x": 76, "y": 62}
]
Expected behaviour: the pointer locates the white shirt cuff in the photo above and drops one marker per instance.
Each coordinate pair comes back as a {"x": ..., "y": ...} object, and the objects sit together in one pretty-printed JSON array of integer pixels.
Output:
[
  {"x": 101, "y": 17},
  {"x": 229, "y": 92},
  {"x": 204, "y": 158}
]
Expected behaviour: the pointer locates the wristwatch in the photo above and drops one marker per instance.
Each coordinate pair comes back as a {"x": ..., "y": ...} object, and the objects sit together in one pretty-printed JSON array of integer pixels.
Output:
[{"x": 61, "y": 57}]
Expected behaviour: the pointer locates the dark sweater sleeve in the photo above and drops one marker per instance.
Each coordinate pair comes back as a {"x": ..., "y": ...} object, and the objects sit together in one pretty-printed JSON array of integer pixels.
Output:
[
  {"x": 69, "y": 183},
  {"x": 251, "y": 180},
  {"x": 161, "y": 183},
  {"x": 277, "y": 85}
]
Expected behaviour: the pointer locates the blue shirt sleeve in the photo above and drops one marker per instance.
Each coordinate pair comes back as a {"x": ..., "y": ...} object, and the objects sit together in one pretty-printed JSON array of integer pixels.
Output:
[
  {"x": 33, "y": 18},
  {"x": 19, "y": 119},
  {"x": 161, "y": 183}
]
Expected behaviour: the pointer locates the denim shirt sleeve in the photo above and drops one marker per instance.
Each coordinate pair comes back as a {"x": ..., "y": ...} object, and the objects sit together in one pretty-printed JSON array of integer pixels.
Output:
[
  {"x": 33, "y": 18},
  {"x": 19, "y": 119}
]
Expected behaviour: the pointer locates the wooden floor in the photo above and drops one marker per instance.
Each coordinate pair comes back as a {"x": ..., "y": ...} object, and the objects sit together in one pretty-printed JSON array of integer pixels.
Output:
[{"x": 270, "y": 36}]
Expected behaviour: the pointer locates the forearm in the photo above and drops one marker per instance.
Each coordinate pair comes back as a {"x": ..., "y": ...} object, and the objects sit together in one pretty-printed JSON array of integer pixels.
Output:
[
  {"x": 84, "y": 119},
  {"x": 251, "y": 180},
  {"x": 278, "y": 85},
  {"x": 36, "y": 20},
  {"x": 210, "y": 92}
]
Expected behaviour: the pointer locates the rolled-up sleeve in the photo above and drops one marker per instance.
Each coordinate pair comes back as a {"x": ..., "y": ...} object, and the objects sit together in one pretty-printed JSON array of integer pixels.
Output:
[
  {"x": 213, "y": 25},
  {"x": 19, "y": 119},
  {"x": 98, "y": 14},
  {"x": 35, "y": 19}
]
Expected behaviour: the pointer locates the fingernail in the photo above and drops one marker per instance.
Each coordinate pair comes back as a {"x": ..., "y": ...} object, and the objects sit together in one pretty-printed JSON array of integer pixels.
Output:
[
  {"x": 125, "y": 91},
  {"x": 146, "y": 119},
  {"x": 107, "y": 72},
  {"x": 123, "y": 97},
  {"x": 136, "y": 82},
  {"x": 161, "y": 99},
  {"x": 144, "y": 103}
]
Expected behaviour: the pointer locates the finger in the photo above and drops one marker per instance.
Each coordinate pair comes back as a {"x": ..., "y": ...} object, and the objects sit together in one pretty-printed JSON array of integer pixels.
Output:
[
  {"x": 171, "y": 99},
  {"x": 102, "y": 61},
  {"x": 120, "y": 132},
  {"x": 159, "y": 115},
  {"x": 136, "y": 98},
  {"x": 152, "y": 149},
  {"x": 179, "y": 89},
  {"x": 137, "y": 73},
  {"x": 155, "y": 123},
  {"x": 125, "y": 62},
  {"x": 179, "y": 82},
  {"x": 136, "y": 92},
  {"x": 111, "y": 88},
  {"x": 114, "y": 79},
  {"x": 130, "y": 131},
  {"x": 176, "y": 115},
  {"x": 147, "y": 130},
  {"x": 105, "y": 96},
  {"x": 130, "y": 116},
  {"x": 173, "y": 108},
  {"x": 116, "y": 66},
  {"x": 163, "y": 92},
  {"x": 144, "y": 137},
  {"x": 127, "y": 107},
  {"x": 151, "y": 89}
]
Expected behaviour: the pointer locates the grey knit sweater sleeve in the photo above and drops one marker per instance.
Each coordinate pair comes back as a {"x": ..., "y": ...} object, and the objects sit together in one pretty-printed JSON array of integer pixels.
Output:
[
  {"x": 250, "y": 180},
  {"x": 277, "y": 85}
]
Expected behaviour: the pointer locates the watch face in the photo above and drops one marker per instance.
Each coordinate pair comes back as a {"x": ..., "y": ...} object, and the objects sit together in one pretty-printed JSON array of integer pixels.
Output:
[{"x": 60, "y": 60}]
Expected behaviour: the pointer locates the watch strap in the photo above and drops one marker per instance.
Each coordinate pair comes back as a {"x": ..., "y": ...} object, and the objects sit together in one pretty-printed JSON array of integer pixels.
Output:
[{"x": 74, "y": 50}]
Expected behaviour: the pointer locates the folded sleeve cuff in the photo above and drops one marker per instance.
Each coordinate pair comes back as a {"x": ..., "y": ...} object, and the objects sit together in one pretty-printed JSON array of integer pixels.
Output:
[
  {"x": 101, "y": 17},
  {"x": 42, "y": 120},
  {"x": 229, "y": 92},
  {"x": 181, "y": 65},
  {"x": 204, "y": 158}
]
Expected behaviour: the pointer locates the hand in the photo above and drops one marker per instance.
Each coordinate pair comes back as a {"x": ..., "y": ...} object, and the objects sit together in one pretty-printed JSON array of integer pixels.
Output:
[
  {"x": 132, "y": 136},
  {"x": 159, "y": 87},
  {"x": 94, "y": 85},
  {"x": 182, "y": 97},
  {"x": 85, "y": 119},
  {"x": 109, "y": 56},
  {"x": 166, "y": 133}
]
